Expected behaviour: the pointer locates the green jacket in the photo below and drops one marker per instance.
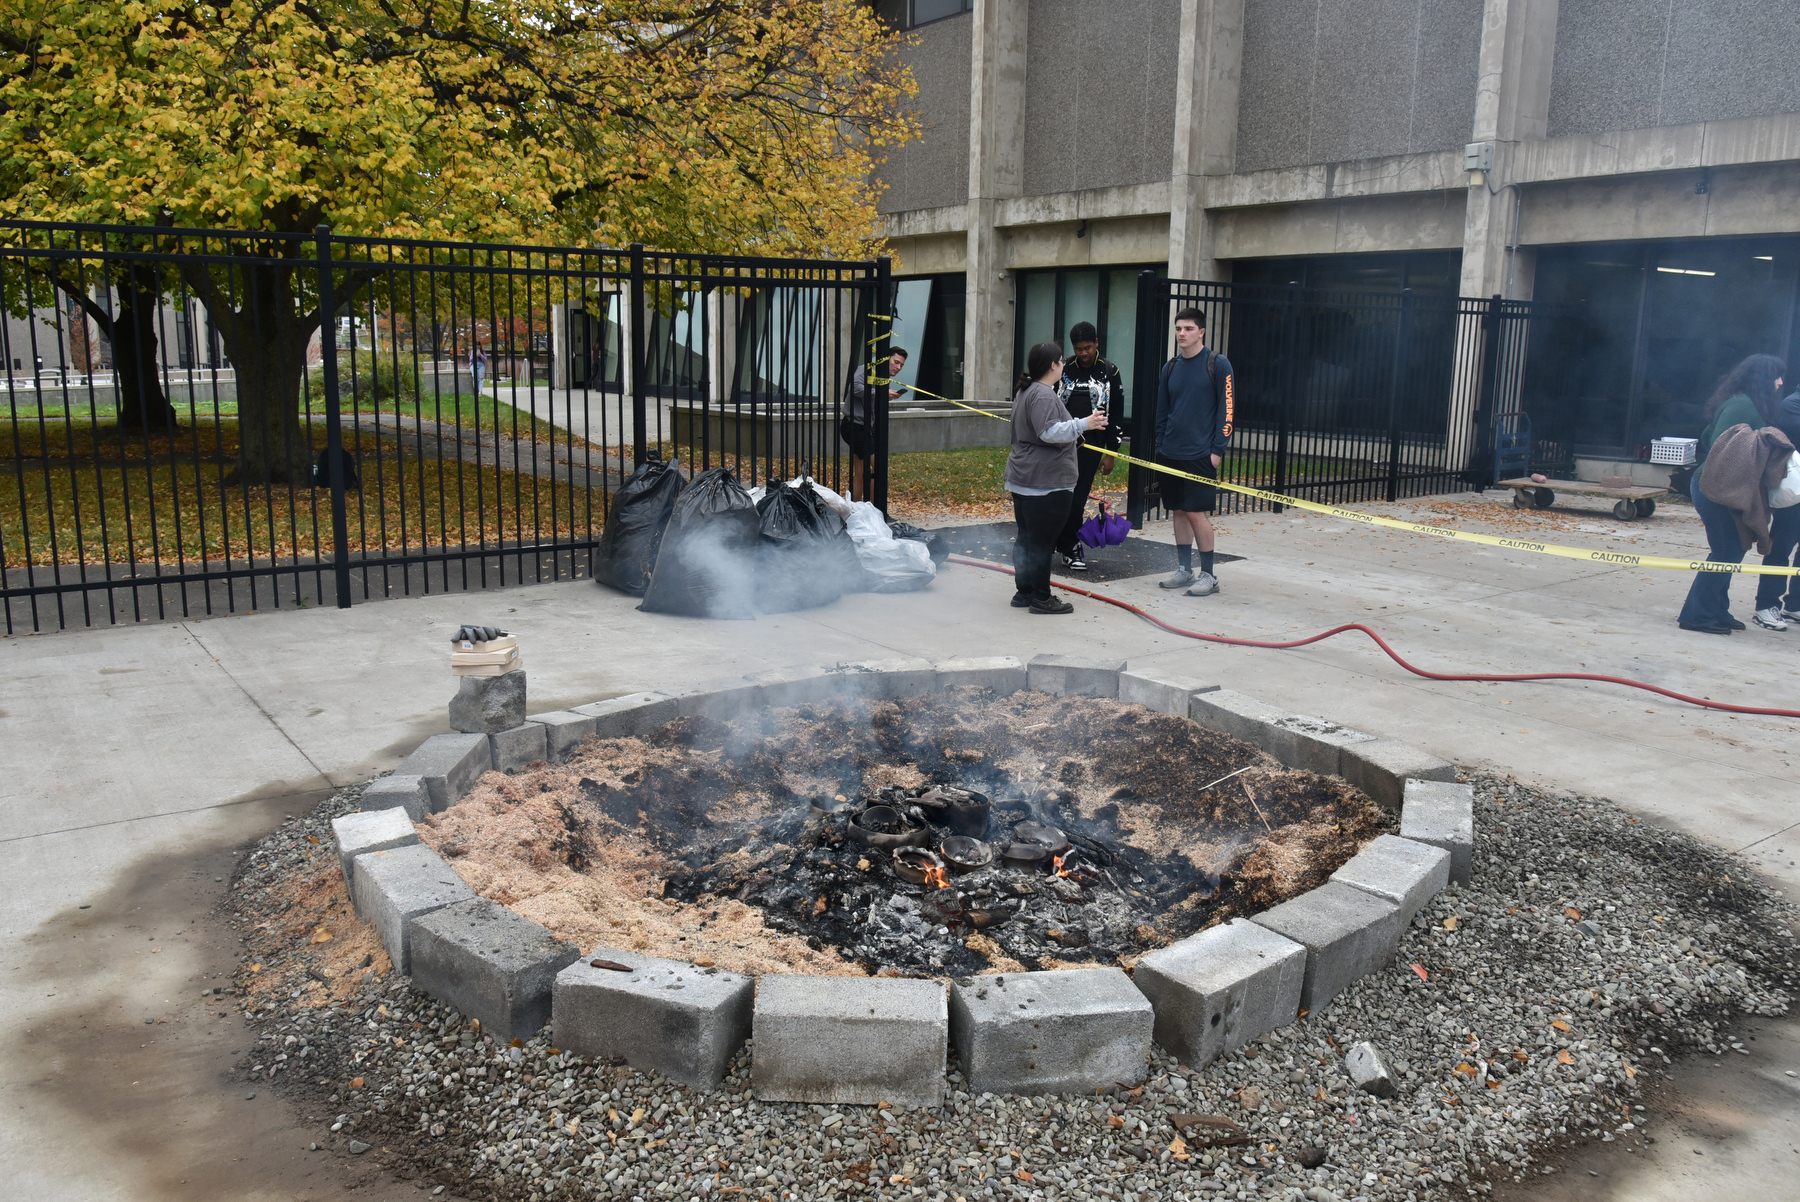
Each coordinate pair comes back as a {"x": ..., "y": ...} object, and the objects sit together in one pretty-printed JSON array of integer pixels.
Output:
[{"x": 1737, "y": 410}]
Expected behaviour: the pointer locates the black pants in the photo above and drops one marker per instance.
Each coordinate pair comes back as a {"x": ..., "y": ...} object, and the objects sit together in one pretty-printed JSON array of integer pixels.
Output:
[
  {"x": 1087, "y": 465},
  {"x": 1038, "y": 521}
]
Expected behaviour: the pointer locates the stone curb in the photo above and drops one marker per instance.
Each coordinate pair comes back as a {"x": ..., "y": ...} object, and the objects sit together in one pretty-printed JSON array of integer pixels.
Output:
[{"x": 1202, "y": 997}]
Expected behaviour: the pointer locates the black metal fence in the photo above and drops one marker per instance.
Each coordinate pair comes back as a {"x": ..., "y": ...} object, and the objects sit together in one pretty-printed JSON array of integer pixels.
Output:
[
  {"x": 1353, "y": 396},
  {"x": 205, "y": 421}
]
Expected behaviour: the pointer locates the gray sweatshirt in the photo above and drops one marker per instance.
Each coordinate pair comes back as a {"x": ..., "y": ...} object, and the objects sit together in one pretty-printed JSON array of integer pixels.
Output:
[{"x": 1043, "y": 443}]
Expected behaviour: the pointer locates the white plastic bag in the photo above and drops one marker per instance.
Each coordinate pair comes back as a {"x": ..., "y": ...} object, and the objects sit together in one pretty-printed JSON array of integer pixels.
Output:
[
  {"x": 892, "y": 565},
  {"x": 1788, "y": 491}
]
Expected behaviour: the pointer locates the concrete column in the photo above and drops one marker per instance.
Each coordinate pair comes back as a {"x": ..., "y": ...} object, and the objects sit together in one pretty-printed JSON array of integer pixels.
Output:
[
  {"x": 1206, "y": 114},
  {"x": 1512, "y": 104},
  {"x": 996, "y": 172}
]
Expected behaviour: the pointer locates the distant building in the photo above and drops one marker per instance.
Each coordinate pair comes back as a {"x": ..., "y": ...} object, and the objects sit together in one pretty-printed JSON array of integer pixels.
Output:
[{"x": 1637, "y": 155}]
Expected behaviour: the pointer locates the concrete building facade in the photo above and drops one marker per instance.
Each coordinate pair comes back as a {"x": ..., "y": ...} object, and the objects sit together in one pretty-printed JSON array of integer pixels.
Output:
[{"x": 1641, "y": 159}]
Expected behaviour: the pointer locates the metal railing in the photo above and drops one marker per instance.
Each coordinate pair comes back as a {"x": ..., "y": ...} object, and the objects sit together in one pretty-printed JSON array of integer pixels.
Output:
[
  {"x": 1352, "y": 396},
  {"x": 378, "y": 417}
]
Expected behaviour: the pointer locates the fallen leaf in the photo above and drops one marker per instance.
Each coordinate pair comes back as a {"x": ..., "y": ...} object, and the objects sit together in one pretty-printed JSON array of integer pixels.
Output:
[
  {"x": 1521, "y": 1056},
  {"x": 820, "y": 906},
  {"x": 1022, "y": 1175},
  {"x": 356, "y": 1082},
  {"x": 1560, "y": 1025},
  {"x": 1630, "y": 1072},
  {"x": 1420, "y": 969},
  {"x": 862, "y": 865},
  {"x": 321, "y": 936},
  {"x": 1493, "y": 1085},
  {"x": 312, "y": 838},
  {"x": 1467, "y": 1070},
  {"x": 1113, "y": 1120},
  {"x": 883, "y": 1106},
  {"x": 1563, "y": 1057},
  {"x": 703, "y": 962},
  {"x": 637, "y": 1115},
  {"x": 1450, "y": 923},
  {"x": 256, "y": 968},
  {"x": 1573, "y": 913},
  {"x": 614, "y": 965}
]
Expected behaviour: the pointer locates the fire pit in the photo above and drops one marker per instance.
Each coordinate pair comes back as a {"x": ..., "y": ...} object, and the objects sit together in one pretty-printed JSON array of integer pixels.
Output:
[{"x": 945, "y": 834}]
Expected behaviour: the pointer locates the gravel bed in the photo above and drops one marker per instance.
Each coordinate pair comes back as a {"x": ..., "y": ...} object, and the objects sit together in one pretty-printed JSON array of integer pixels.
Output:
[{"x": 1590, "y": 950}]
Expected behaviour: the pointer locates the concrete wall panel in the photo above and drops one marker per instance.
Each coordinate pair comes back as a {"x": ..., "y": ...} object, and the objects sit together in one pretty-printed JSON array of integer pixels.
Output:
[
  {"x": 1330, "y": 80},
  {"x": 1122, "y": 240},
  {"x": 930, "y": 254},
  {"x": 1631, "y": 64},
  {"x": 935, "y": 169},
  {"x": 1099, "y": 93},
  {"x": 1739, "y": 200},
  {"x": 1431, "y": 221}
]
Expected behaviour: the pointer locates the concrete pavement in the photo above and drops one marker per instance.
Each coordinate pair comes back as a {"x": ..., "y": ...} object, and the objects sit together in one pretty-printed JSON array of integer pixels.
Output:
[{"x": 135, "y": 760}]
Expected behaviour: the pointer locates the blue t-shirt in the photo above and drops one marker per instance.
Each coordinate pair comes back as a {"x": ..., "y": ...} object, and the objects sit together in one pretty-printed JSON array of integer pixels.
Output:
[{"x": 1195, "y": 400}]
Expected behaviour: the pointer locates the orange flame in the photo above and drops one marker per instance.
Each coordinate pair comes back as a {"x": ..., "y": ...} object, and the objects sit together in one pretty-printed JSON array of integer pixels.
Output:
[
  {"x": 937, "y": 878},
  {"x": 1058, "y": 869}
]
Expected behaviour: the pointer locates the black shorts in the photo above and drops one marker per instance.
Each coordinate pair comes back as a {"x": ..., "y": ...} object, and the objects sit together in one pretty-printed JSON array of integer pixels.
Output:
[
  {"x": 1188, "y": 496},
  {"x": 859, "y": 436}
]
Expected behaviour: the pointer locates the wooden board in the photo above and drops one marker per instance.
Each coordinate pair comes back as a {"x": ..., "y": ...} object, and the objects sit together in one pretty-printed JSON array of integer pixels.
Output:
[{"x": 1636, "y": 492}]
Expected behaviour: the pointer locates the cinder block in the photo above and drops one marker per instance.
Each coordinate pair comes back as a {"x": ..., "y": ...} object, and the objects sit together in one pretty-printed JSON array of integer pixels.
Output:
[
  {"x": 1050, "y": 1032},
  {"x": 1347, "y": 935},
  {"x": 1381, "y": 768},
  {"x": 450, "y": 764},
  {"x": 1005, "y": 674},
  {"x": 484, "y": 705},
  {"x": 1246, "y": 718},
  {"x": 850, "y": 1040},
  {"x": 721, "y": 700},
  {"x": 631, "y": 716},
  {"x": 1216, "y": 991},
  {"x": 1164, "y": 692},
  {"x": 398, "y": 793},
  {"x": 1442, "y": 813},
  {"x": 1074, "y": 675},
  {"x": 1317, "y": 744},
  {"x": 684, "y": 1022},
  {"x": 1402, "y": 871},
  {"x": 391, "y": 888},
  {"x": 563, "y": 732},
  {"x": 370, "y": 830},
  {"x": 779, "y": 688},
  {"x": 515, "y": 748},
  {"x": 490, "y": 964},
  {"x": 887, "y": 679}
]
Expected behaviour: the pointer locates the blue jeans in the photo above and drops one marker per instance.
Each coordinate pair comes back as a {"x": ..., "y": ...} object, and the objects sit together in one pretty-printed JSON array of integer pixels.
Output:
[
  {"x": 1708, "y": 599},
  {"x": 1784, "y": 532}
]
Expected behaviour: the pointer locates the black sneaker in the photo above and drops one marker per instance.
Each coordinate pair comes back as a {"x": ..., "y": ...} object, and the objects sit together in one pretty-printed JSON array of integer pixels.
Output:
[
  {"x": 1698, "y": 629},
  {"x": 1053, "y": 605},
  {"x": 1021, "y": 601},
  {"x": 1734, "y": 623},
  {"x": 1075, "y": 561}
]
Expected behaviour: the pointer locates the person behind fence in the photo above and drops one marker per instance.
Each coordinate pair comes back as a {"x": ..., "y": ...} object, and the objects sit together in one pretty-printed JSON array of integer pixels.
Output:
[
  {"x": 478, "y": 364},
  {"x": 1089, "y": 385},
  {"x": 1195, "y": 397},
  {"x": 1778, "y": 597},
  {"x": 1747, "y": 396},
  {"x": 857, "y": 427},
  {"x": 1040, "y": 475}
]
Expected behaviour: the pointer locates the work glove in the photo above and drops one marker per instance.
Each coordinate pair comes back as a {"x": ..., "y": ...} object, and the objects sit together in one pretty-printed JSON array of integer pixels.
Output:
[{"x": 477, "y": 634}]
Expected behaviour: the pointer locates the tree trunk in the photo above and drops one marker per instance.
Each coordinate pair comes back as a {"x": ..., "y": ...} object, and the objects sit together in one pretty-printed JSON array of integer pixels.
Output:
[
  {"x": 143, "y": 409},
  {"x": 266, "y": 338}
]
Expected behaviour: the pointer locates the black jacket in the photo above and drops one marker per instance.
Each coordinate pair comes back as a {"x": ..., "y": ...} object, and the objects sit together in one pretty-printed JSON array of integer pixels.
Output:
[
  {"x": 1079, "y": 402},
  {"x": 1787, "y": 417}
]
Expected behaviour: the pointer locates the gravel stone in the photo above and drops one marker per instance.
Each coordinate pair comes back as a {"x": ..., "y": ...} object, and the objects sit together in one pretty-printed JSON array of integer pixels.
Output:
[{"x": 1526, "y": 1035}]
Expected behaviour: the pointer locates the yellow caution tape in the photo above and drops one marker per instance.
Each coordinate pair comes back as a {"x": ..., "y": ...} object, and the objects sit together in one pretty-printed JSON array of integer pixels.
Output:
[{"x": 1619, "y": 558}]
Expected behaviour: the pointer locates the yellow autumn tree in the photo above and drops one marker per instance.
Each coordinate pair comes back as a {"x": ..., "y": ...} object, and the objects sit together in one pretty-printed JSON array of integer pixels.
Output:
[{"x": 696, "y": 125}]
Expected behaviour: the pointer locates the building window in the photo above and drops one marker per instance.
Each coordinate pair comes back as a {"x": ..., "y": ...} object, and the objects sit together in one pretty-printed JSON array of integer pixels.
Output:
[
  {"x": 909, "y": 14},
  {"x": 1049, "y": 303},
  {"x": 928, "y": 321}
]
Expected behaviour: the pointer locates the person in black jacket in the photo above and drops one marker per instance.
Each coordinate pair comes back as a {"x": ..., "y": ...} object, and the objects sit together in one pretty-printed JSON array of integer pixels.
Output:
[
  {"x": 1089, "y": 385},
  {"x": 1773, "y": 610},
  {"x": 1195, "y": 399}
]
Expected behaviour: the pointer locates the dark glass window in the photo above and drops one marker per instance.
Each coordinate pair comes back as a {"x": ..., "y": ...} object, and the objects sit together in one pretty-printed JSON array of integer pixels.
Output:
[
  {"x": 1427, "y": 273},
  {"x": 928, "y": 322},
  {"x": 1657, "y": 324},
  {"x": 1048, "y": 303},
  {"x": 905, "y": 14}
]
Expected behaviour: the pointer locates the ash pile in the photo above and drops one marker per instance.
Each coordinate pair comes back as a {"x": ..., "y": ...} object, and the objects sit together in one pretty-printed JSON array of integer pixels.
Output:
[{"x": 940, "y": 879}]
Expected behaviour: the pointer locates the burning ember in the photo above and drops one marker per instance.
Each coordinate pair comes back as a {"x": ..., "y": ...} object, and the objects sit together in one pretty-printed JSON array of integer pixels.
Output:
[{"x": 945, "y": 835}]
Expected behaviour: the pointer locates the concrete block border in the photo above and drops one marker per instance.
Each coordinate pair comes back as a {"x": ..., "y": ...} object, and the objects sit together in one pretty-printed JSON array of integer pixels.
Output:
[{"x": 1201, "y": 997}]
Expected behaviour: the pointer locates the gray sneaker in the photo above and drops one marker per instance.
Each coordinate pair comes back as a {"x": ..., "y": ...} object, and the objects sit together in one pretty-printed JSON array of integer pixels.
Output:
[
  {"x": 1181, "y": 579},
  {"x": 1205, "y": 584}
]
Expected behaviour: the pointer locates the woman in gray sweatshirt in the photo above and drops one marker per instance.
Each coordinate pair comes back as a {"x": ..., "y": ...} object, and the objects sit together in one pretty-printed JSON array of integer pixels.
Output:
[{"x": 1040, "y": 475}]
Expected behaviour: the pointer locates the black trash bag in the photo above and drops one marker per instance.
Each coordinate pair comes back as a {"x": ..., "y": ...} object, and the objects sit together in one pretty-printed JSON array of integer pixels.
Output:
[
  {"x": 706, "y": 565},
  {"x": 804, "y": 556},
  {"x": 321, "y": 471},
  {"x": 934, "y": 542},
  {"x": 634, "y": 529}
]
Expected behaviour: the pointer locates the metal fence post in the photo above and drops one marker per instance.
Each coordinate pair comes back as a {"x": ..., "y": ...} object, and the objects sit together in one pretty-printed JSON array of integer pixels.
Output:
[
  {"x": 1394, "y": 384},
  {"x": 1146, "y": 364},
  {"x": 640, "y": 445},
  {"x": 878, "y": 398},
  {"x": 334, "y": 432}
]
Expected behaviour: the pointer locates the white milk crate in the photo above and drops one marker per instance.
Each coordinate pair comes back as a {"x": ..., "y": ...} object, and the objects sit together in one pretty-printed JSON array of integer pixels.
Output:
[{"x": 1677, "y": 451}]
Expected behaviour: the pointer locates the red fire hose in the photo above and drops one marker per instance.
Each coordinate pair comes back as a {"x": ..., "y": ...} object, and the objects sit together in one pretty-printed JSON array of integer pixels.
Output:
[{"x": 1391, "y": 653}]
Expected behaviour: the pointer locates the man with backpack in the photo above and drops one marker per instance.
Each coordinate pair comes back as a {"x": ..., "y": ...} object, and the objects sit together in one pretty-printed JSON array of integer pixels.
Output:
[
  {"x": 857, "y": 427},
  {"x": 1089, "y": 384},
  {"x": 1195, "y": 398}
]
